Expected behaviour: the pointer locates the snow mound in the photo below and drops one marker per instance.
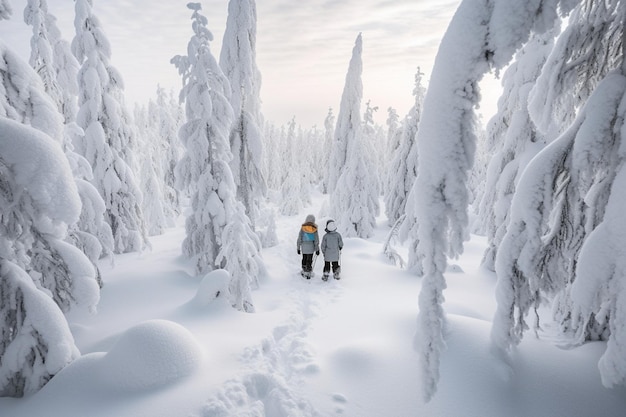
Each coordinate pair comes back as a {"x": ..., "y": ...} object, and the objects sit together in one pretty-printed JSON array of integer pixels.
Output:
[
  {"x": 151, "y": 354},
  {"x": 214, "y": 286}
]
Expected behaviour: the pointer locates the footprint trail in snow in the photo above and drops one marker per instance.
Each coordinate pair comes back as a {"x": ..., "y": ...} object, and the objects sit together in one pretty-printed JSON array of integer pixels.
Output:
[{"x": 271, "y": 381}]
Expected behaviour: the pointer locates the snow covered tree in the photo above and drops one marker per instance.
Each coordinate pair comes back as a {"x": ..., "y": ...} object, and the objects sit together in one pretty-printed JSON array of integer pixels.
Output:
[
  {"x": 42, "y": 54},
  {"x": 38, "y": 345},
  {"x": 349, "y": 118},
  {"x": 403, "y": 166},
  {"x": 22, "y": 96},
  {"x": 476, "y": 180},
  {"x": 24, "y": 100},
  {"x": 52, "y": 60},
  {"x": 273, "y": 165},
  {"x": 563, "y": 241},
  {"x": 375, "y": 142},
  {"x": 40, "y": 274},
  {"x": 329, "y": 128},
  {"x": 244, "y": 270},
  {"x": 292, "y": 182},
  {"x": 394, "y": 134},
  {"x": 393, "y": 126},
  {"x": 482, "y": 35},
  {"x": 150, "y": 164},
  {"x": 168, "y": 121},
  {"x": 354, "y": 199},
  {"x": 314, "y": 145},
  {"x": 270, "y": 237},
  {"x": 512, "y": 140},
  {"x": 238, "y": 61},
  {"x": 304, "y": 150},
  {"x": 219, "y": 234},
  {"x": 109, "y": 139}
]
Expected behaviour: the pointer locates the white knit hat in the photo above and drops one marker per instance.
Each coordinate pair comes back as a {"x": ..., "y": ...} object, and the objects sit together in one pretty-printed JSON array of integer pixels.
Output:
[{"x": 330, "y": 226}]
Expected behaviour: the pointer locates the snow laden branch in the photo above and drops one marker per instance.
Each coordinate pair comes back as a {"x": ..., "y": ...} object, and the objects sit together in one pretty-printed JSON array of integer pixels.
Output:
[
  {"x": 482, "y": 35},
  {"x": 513, "y": 140},
  {"x": 562, "y": 243},
  {"x": 567, "y": 207}
]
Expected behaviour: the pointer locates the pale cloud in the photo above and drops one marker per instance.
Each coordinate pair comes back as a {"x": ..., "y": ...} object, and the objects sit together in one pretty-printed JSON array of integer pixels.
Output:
[{"x": 303, "y": 48}]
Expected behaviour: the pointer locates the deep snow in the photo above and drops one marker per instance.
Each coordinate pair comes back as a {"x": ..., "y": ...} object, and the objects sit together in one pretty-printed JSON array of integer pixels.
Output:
[{"x": 162, "y": 345}]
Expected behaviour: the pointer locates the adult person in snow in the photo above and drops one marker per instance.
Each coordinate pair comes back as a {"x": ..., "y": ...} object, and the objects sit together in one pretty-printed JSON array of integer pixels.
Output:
[
  {"x": 332, "y": 243},
  {"x": 308, "y": 244}
]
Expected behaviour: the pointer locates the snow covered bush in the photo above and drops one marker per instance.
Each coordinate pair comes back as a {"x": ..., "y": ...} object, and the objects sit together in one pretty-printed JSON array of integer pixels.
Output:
[{"x": 214, "y": 286}]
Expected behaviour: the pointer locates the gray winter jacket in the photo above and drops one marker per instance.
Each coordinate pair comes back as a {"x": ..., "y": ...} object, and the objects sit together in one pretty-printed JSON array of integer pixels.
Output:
[
  {"x": 331, "y": 246},
  {"x": 308, "y": 240}
]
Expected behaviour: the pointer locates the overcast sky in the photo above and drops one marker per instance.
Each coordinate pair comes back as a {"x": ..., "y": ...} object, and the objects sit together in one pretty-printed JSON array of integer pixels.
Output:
[{"x": 303, "y": 47}]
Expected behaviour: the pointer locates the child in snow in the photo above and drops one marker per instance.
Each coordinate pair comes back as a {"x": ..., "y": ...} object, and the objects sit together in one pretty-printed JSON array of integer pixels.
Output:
[
  {"x": 331, "y": 248},
  {"x": 308, "y": 244}
]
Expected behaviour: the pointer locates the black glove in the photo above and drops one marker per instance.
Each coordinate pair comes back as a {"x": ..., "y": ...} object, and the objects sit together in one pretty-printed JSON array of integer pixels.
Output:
[
  {"x": 317, "y": 253},
  {"x": 298, "y": 251}
]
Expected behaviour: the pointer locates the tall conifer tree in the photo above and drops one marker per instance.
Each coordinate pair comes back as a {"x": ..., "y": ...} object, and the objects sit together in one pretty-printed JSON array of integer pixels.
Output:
[
  {"x": 354, "y": 199},
  {"x": 218, "y": 231},
  {"x": 238, "y": 61},
  {"x": 109, "y": 140}
]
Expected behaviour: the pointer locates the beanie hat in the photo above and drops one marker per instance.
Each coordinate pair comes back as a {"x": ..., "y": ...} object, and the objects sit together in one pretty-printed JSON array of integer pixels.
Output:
[
  {"x": 330, "y": 226},
  {"x": 310, "y": 219}
]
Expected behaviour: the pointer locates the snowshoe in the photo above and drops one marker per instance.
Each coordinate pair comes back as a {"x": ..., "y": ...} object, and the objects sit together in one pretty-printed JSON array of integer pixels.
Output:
[
  {"x": 336, "y": 274},
  {"x": 325, "y": 276}
]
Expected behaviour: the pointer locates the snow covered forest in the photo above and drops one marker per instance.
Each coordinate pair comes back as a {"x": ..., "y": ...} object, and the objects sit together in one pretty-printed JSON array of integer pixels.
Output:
[{"x": 85, "y": 179}]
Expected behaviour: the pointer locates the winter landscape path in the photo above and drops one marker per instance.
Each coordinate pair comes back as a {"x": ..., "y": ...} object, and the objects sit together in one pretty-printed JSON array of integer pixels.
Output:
[{"x": 313, "y": 360}]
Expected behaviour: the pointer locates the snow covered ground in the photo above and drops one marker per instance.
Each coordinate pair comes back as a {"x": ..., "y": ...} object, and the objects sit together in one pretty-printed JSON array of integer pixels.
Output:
[{"x": 313, "y": 348}]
